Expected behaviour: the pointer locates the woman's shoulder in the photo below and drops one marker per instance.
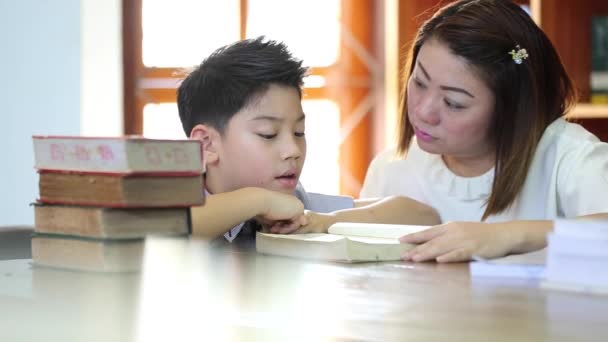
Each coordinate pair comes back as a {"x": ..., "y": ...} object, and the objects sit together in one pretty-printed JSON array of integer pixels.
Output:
[
  {"x": 570, "y": 145},
  {"x": 392, "y": 173},
  {"x": 386, "y": 156},
  {"x": 390, "y": 161},
  {"x": 392, "y": 156},
  {"x": 569, "y": 135}
]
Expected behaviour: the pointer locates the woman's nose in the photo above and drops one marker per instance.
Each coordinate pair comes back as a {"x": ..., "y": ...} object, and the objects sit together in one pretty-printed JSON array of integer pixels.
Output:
[{"x": 427, "y": 110}]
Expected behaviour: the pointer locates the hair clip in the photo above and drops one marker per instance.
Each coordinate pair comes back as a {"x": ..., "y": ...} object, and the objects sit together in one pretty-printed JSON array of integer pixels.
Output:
[{"x": 519, "y": 55}]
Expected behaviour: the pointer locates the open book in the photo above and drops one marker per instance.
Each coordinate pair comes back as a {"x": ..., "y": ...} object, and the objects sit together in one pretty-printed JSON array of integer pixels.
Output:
[{"x": 346, "y": 242}]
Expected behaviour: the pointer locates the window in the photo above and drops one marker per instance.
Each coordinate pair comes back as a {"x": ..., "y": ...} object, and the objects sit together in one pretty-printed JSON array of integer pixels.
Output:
[{"x": 332, "y": 37}]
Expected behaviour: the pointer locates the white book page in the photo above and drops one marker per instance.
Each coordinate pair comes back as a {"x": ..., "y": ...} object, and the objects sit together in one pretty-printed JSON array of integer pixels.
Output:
[
  {"x": 373, "y": 240},
  {"x": 586, "y": 229},
  {"x": 374, "y": 230},
  {"x": 538, "y": 257},
  {"x": 307, "y": 237}
]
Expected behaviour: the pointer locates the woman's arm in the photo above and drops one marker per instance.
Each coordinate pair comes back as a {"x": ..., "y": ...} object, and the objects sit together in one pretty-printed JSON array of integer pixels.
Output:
[
  {"x": 390, "y": 210},
  {"x": 459, "y": 241}
]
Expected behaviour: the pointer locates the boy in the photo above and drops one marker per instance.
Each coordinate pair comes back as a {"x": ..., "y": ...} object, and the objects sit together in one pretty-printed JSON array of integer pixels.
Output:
[{"x": 244, "y": 103}]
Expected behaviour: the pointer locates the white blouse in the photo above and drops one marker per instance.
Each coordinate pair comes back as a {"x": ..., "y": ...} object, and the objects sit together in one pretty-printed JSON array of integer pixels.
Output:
[{"x": 568, "y": 177}]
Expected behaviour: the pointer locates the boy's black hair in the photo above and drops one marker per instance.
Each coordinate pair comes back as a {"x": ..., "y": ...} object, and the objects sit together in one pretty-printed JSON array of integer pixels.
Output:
[{"x": 232, "y": 77}]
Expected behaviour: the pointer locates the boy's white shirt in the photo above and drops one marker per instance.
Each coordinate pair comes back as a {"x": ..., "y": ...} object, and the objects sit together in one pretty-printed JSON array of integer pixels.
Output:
[{"x": 232, "y": 233}]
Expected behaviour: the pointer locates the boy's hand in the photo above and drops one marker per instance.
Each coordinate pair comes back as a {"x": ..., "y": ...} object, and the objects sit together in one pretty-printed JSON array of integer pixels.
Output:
[
  {"x": 310, "y": 222},
  {"x": 284, "y": 226},
  {"x": 278, "y": 206}
]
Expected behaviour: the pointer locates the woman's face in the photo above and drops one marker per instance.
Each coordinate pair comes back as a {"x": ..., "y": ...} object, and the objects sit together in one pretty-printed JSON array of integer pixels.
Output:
[{"x": 449, "y": 106}]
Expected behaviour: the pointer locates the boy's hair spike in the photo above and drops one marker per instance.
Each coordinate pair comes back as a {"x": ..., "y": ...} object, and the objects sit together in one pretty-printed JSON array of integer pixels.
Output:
[{"x": 232, "y": 77}]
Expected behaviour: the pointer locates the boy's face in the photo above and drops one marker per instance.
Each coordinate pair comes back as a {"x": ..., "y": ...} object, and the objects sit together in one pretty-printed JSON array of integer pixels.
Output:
[{"x": 263, "y": 145}]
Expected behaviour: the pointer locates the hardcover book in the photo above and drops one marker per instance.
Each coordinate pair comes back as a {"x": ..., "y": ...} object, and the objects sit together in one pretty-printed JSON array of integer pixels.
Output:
[
  {"x": 87, "y": 254},
  {"x": 109, "y": 223},
  {"x": 130, "y": 154},
  {"x": 120, "y": 191}
]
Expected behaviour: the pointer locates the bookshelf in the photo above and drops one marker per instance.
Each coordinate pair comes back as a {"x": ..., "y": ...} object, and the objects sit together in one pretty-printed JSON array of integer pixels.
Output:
[{"x": 566, "y": 22}]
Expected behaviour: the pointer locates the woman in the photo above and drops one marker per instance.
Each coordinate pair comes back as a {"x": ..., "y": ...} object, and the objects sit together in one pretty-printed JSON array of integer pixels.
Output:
[{"x": 482, "y": 137}]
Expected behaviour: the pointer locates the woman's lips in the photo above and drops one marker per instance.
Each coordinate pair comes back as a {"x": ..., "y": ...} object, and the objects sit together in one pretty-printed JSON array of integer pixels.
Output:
[{"x": 422, "y": 135}]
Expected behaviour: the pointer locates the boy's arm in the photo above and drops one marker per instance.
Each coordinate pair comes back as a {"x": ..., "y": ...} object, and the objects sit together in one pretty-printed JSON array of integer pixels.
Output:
[
  {"x": 389, "y": 210},
  {"x": 223, "y": 211}
]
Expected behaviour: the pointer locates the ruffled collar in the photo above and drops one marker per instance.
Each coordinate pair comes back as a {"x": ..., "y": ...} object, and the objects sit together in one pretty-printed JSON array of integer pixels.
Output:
[{"x": 463, "y": 188}]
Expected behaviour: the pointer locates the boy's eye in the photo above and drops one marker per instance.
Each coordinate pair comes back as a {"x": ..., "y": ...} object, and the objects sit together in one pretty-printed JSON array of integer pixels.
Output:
[
  {"x": 267, "y": 136},
  {"x": 299, "y": 134}
]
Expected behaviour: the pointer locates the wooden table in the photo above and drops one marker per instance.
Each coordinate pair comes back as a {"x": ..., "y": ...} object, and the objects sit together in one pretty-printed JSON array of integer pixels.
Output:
[{"x": 188, "y": 290}]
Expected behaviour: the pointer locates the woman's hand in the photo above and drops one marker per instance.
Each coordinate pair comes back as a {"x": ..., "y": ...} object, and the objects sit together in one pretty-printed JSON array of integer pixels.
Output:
[{"x": 460, "y": 241}]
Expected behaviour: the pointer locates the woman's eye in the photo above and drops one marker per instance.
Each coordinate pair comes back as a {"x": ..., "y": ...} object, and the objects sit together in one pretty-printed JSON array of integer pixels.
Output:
[
  {"x": 299, "y": 134},
  {"x": 453, "y": 105},
  {"x": 418, "y": 83}
]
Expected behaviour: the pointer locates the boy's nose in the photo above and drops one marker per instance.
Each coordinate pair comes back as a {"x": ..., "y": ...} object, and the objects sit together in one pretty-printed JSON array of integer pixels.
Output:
[{"x": 291, "y": 148}]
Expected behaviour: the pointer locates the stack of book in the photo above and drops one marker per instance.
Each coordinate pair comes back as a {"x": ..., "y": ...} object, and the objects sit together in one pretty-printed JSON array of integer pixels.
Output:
[
  {"x": 527, "y": 266},
  {"x": 577, "y": 256},
  {"x": 100, "y": 197}
]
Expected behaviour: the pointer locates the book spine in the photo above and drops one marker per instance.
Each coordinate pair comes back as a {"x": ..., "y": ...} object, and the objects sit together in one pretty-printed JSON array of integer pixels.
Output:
[
  {"x": 117, "y": 205},
  {"x": 123, "y": 174},
  {"x": 152, "y": 155},
  {"x": 599, "y": 59},
  {"x": 80, "y": 154},
  {"x": 117, "y": 155}
]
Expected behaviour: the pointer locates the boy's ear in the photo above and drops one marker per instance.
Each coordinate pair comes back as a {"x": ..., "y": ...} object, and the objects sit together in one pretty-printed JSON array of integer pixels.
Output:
[{"x": 211, "y": 141}]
